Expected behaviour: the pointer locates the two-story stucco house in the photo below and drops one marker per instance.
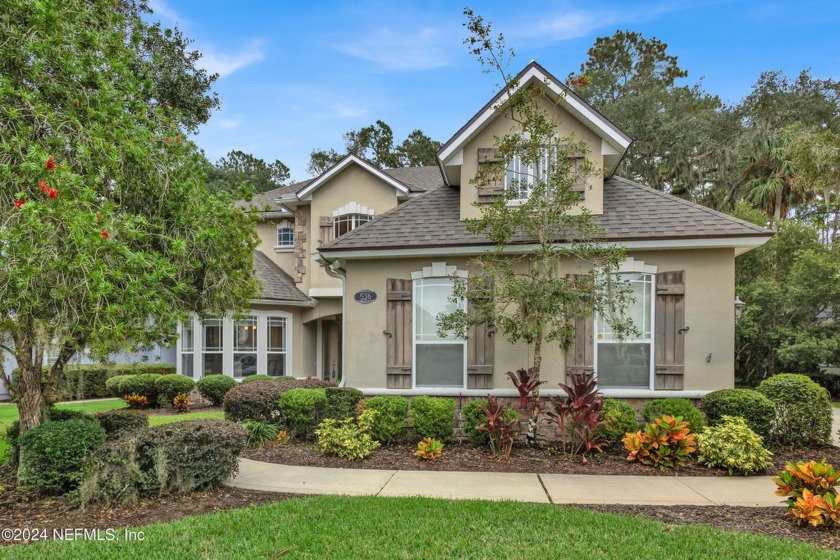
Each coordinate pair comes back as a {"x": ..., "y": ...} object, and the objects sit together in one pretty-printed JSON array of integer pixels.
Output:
[{"x": 356, "y": 263}]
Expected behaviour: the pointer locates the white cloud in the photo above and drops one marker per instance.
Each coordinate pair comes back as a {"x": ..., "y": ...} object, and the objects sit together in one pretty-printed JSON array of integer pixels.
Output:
[
  {"x": 225, "y": 64},
  {"x": 164, "y": 12},
  {"x": 227, "y": 124},
  {"x": 423, "y": 50}
]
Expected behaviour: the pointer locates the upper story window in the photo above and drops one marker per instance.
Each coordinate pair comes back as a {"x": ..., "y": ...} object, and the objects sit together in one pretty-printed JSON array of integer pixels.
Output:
[
  {"x": 522, "y": 178},
  {"x": 285, "y": 234},
  {"x": 348, "y": 222}
]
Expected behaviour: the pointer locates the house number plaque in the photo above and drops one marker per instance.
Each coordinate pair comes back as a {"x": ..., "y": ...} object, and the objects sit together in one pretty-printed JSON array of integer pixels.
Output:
[{"x": 365, "y": 296}]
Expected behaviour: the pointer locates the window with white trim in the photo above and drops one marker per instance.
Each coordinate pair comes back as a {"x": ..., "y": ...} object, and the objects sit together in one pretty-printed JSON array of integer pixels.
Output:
[
  {"x": 285, "y": 234},
  {"x": 345, "y": 223},
  {"x": 245, "y": 347},
  {"x": 628, "y": 363},
  {"x": 276, "y": 348},
  {"x": 212, "y": 348},
  {"x": 438, "y": 361},
  {"x": 187, "y": 348},
  {"x": 522, "y": 178}
]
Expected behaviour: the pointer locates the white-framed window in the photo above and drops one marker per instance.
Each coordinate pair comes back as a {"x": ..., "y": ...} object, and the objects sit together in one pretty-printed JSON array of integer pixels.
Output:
[
  {"x": 345, "y": 223},
  {"x": 212, "y": 347},
  {"x": 523, "y": 178},
  {"x": 187, "y": 345},
  {"x": 438, "y": 361},
  {"x": 245, "y": 347},
  {"x": 277, "y": 348},
  {"x": 628, "y": 363},
  {"x": 285, "y": 234}
]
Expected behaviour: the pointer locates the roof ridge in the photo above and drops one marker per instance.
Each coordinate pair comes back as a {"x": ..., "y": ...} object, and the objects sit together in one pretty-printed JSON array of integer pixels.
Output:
[{"x": 689, "y": 203}]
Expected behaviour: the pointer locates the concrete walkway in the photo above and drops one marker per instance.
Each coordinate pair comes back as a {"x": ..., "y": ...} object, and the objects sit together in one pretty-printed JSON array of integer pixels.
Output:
[{"x": 757, "y": 491}]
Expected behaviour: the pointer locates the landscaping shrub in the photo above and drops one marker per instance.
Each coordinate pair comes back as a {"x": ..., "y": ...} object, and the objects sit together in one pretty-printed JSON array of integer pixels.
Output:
[
  {"x": 258, "y": 400},
  {"x": 664, "y": 443},
  {"x": 619, "y": 419},
  {"x": 341, "y": 402},
  {"x": 52, "y": 454},
  {"x": 675, "y": 407},
  {"x": 301, "y": 410},
  {"x": 389, "y": 423},
  {"x": 811, "y": 491},
  {"x": 433, "y": 417},
  {"x": 829, "y": 382},
  {"x": 501, "y": 430},
  {"x": 349, "y": 438},
  {"x": 65, "y": 414},
  {"x": 578, "y": 414},
  {"x": 750, "y": 405},
  {"x": 803, "y": 410},
  {"x": 429, "y": 449},
  {"x": 734, "y": 446},
  {"x": 175, "y": 458},
  {"x": 143, "y": 384},
  {"x": 120, "y": 423},
  {"x": 214, "y": 387},
  {"x": 90, "y": 381},
  {"x": 472, "y": 415},
  {"x": 181, "y": 403},
  {"x": 114, "y": 385},
  {"x": 12, "y": 438},
  {"x": 260, "y": 433},
  {"x": 135, "y": 401},
  {"x": 262, "y": 377},
  {"x": 170, "y": 386}
]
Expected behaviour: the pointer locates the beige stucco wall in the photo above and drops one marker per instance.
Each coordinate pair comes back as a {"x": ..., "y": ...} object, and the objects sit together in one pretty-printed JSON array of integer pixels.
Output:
[
  {"x": 267, "y": 230},
  {"x": 303, "y": 340},
  {"x": 567, "y": 126},
  {"x": 710, "y": 278}
]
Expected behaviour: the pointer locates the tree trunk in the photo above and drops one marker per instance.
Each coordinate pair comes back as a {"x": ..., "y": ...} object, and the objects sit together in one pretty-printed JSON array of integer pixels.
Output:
[
  {"x": 32, "y": 402},
  {"x": 534, "y": 420}
]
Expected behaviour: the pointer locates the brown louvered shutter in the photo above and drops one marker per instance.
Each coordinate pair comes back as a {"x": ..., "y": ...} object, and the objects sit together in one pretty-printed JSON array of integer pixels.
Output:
[
  {"x": 398, "y": 333},
  {"x": 580, "y": 358},
  {"x": 325, "y": 229},
  {"x": 480, "y": 349},
  {"x": 669, "y": 341},
  {"x": 580, "y": 185},
  {"x": 491, "y": 184}
]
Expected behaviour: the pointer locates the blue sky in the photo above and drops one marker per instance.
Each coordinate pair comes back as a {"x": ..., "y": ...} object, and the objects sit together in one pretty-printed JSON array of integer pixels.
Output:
[{"x": 296, "y": 75}]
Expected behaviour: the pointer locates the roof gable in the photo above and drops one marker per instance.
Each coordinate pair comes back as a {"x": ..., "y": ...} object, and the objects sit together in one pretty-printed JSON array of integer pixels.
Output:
[{"x": 346, "y": 161}]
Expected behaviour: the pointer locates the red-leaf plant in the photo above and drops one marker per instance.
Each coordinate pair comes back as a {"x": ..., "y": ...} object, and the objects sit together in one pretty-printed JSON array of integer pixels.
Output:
[
  {"x": 501, "y": 431},
  {"x": 578, "y": 415},
  {"x": 527, "y": 382}
]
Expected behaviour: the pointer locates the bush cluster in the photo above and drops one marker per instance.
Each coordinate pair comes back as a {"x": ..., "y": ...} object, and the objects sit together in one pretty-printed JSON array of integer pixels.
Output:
[
  {"x": 349, "y": 438},
  {"x": 258, "y": 400},
  {"x": 665, "y": 443},
  {"x": 263, "y": 377},
  {"x": 88, "y": 381},
  {"x": 301, "y": 410},
  {"x": 260, "y": 433},
  {"x": 619, "y": 418},
  {"x": 389, "y": 423},
  {"x": 214, "y": 387},
  {"x": 750, "y": 405},
  {"x": 433, "y": 417},
  {"x": 811, "y": 491},
  {"x": 732, "y": 445},
  {"x": 170, "y": 386},
  {"x": 142, "y": 384},
  {"x": 803, "y": 410},
  {"x": 341, "y": 402},
  {"x": 675, "y": 407},
  {"x": 120, "y": 423},
  {"x": 472, "y": 415}
]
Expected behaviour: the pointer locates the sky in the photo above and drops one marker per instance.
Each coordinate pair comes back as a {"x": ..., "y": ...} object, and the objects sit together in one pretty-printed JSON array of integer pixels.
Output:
[{"x": 294, "y": 76}]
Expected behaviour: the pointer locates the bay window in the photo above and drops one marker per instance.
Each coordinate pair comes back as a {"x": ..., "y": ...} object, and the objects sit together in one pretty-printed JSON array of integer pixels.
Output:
[
  {"x": 245, "y": 347},
  {"x": 276, "y": 349},
  {"x": 212, "y": 347}
]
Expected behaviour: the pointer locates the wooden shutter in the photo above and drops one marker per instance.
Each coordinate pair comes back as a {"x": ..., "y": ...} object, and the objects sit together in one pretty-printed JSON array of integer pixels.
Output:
[
  {"x": 480, "y": 343},
  {"x": 580, "y": 185},
  {"x": 325, "y": 229},
  {"x": 669, "y": 341},
  {"x": 580, "y": 358},
  {"x": 398, "y": 333},
  {"x": 491, "y": 183}
]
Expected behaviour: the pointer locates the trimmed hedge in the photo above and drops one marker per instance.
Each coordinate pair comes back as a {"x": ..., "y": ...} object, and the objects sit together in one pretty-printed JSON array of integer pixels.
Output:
[
  {"x": 175, "y": 458},
  {"x": 675, "y": 407},
  {"x": 258, "y": 400},
  {"x": 433, "y": 417},
  {"x": 473, "y": 416},
  {"x": 119, "y": 423},
  {"x": 142, "y": 384},
  {"x": 389, "y": 424},
  {"x": 65, "y": 414},
  {"x": 263, "y": 377},
  {"x": 88, "y": 381},
  {"x": 341, "y": 402},
  {"x": 803, "y": 410},
  {"x": 750, "y": 405},
  {"x": 301, "y": 410},
  {"x": 214, "y": 387},
  {"x": 170, "y": 386},
  {"x": 52, "y": 454},
  {"x": 619, "y": 418}
]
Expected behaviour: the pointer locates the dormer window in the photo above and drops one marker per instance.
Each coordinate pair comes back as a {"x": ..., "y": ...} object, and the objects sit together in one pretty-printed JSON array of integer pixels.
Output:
[
  {"x": 523, "y": 178},
  {"x": 348, "y": 222},
  {"x": 285, "y": 235}
]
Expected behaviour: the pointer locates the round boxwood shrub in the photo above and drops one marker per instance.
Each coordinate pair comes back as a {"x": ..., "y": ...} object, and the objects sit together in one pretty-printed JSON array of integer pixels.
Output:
[
  {"x": 675, "y": 407},
  {"x": 169, "y": 386},
  {"x": 259, "y": 377},
  {"x": 389, "y": 423},
  {"x": 214, "y": 387},
  {"x": 433, "y": 417},
  {"x": 143, "y": 384},
  {"x": 114, "y": 385},
  {"x": 733, "y": 446},
  {"x": 341, "y": 402},
  {"x": 64, "y": 414},
  {"x": 258, "y": 400},
  {"x": 301, "y": 410},
  {"x": 803, "y": 410},
  {"x": 52, "y": 454},
  {"x": 750, "y": 405},
  {"x": 119, "y": 423},
  {"x": 619, "y": 418},
  {"x": 473, "y": 416}
]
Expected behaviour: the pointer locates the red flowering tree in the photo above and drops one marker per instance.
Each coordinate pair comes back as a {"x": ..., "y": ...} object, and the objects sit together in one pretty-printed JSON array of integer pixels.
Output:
[{"x": 108, "y": 233}]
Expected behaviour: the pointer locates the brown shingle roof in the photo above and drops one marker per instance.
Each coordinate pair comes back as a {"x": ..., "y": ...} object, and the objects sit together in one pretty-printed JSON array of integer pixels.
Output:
[
  {"x": 631, "y": 212},
  {"x": 276, "y": 283}
]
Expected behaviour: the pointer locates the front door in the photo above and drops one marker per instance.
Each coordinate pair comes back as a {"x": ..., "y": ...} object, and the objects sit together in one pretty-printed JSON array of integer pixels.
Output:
[{"x": 332, "y": 348}]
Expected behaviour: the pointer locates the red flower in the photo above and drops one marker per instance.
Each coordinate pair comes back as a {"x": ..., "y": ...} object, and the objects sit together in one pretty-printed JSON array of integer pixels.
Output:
[
  {"x": 45, "y": 188},
  {"x": 580, "y": 82},
  {"x": 105, "y": 234},
  {"x": 74, "y": 103},
  {"x": 50, "y": 163},
  {"x": 19, "y": 203},
  {"x": 53, "y": 193}
]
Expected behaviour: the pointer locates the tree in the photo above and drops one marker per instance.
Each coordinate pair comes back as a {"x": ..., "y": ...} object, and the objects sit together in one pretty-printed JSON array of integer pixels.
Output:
[
  {"x": 817, "y": 159},
  {"x": 418, "y": 150},
  {"x": 374, "y": 143},
  {"x": 526, "y": 294},
  {"x": 238, "y": 169},
  {"x": 321, "y": 160},
  {"x": 108, "y": 234}
]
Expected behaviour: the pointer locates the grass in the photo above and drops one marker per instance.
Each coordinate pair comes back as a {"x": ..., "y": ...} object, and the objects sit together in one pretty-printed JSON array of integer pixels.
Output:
[
  {"x": 158, "y": 419},
  {"x": 374, "y": 527}
]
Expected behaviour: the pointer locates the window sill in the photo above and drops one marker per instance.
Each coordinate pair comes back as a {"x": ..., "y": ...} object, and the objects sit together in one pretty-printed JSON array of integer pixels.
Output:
[{"x": 284, "y": 249}]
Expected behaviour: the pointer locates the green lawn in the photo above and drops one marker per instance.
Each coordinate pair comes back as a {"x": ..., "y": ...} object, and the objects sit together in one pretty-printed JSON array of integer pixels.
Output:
[
  {"x": 158, "y": 419},
  {"x": 371, "y": 527}
]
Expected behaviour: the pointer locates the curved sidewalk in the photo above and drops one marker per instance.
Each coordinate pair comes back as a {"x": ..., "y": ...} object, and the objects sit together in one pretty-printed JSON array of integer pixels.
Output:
[{"x": 754, "y": 491}]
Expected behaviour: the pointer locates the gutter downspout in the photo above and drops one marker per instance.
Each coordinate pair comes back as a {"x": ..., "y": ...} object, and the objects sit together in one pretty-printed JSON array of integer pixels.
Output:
[{"x": 333, "y": 269}]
